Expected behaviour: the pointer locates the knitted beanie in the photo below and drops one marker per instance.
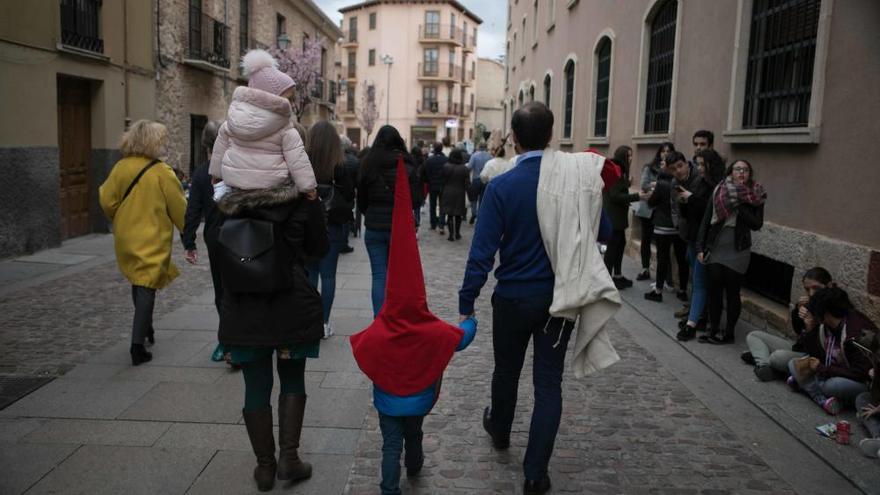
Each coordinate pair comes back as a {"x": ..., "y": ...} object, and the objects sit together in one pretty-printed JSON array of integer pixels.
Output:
[{"x": 262, "y": 72}]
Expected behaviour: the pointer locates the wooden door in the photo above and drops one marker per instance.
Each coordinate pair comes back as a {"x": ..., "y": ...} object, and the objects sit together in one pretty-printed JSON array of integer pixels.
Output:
[{"x": 75, "y": 152}]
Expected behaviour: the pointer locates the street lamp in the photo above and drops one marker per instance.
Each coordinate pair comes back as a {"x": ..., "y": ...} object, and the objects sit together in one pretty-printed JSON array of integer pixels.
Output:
[
  {"x": 388, "y": 60},
  {"x": 283, "y": 41}
]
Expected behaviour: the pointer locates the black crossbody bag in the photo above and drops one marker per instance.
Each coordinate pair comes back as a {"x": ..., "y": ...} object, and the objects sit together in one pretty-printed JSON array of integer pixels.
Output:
[{"x": 137, "y": 178}]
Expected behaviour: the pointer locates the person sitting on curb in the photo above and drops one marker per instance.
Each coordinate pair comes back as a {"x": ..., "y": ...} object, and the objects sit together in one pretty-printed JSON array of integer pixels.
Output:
[
  {"x": 868, "y": 407},
  {"x": 770, "y": 354},
  {"x": 835, "y": 369}
]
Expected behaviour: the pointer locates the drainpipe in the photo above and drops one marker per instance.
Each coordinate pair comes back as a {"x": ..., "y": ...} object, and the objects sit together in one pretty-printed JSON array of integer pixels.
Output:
[
  {"x": 226, "y": 24},
  {"x": 125, "y": 61}
]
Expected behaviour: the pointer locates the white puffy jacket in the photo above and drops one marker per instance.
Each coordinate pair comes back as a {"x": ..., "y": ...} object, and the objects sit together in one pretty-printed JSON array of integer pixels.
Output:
[{"x": 257, "y": 147}]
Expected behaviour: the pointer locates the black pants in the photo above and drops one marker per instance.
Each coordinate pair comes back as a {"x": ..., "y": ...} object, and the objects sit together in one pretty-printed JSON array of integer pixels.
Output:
[
  {"x": 433, "y": 205},
  {"x": 514, "y": 323},
  {"x": 614, "y": 253},
  {"x": 647, "y": 236},
  {"x": 723, "y": 283},
  {"x": 144, "y": 299},
  {"x": 215, "y": 271},
  {"x": 454, "y": 225},
  {"x": 665, "y": 244}
]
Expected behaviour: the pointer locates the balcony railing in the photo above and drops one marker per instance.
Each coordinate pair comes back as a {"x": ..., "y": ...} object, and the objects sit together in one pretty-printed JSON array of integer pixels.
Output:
[
  {"x": 434, "y": 70},
  {"x": 208, "y": 39},
  {"x": 350, "y": 71},
  {"x": 439, "y": 33},
  {"x": 438, "y": 108},
  {"x": 350, "y": 36},
  {"x": 79, "y": 25},
  {"x": 469, "y": 43}
]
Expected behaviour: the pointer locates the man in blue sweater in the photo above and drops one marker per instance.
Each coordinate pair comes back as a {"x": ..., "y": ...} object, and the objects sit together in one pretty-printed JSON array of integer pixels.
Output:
[{"x": 521, "y": 302}]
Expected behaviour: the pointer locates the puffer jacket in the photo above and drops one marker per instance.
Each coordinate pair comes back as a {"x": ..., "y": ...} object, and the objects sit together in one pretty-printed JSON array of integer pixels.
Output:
[
  {"x": 257, "y": 147},
  {"x": 283, "y": 317}
]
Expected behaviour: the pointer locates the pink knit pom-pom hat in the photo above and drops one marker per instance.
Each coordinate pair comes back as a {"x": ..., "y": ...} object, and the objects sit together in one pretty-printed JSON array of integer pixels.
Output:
[{"x": 262, "y": 72}]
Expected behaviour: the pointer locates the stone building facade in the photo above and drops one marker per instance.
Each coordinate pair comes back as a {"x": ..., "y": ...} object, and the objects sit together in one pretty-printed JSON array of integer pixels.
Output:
[
  {"x": 199, "y": 69},
  {"x": 433, "y": 80},
  {"x": 775, "y": 82},
  {"x": 490, "y": 94},
  {"x": 72, "y": 75}
]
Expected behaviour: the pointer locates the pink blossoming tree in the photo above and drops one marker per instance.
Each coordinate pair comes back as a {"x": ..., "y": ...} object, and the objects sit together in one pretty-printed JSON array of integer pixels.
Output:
[
  {"x": 368, "y": 112},
  {"x": 303, "y": 65}
]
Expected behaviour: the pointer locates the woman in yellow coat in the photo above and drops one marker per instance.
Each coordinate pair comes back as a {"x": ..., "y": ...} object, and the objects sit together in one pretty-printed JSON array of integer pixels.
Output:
[{"x": 143, "y": 199}]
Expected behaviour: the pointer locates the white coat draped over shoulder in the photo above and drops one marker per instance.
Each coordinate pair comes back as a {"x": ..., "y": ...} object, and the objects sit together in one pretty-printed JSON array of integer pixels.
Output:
[{"x": 569, "y": 212}]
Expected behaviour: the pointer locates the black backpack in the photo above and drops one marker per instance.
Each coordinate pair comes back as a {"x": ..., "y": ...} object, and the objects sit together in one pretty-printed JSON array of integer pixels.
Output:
[{"x": 254, "y": 256}]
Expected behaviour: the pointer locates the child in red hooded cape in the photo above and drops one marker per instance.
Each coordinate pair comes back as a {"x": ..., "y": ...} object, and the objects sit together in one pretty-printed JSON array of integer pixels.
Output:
[{"x": 406, "y": 348}]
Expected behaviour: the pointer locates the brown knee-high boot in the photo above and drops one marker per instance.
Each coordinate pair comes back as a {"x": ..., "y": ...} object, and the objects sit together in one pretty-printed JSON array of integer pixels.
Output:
[
  {"x": 291, "y": 410},
  {"x": 259, "y": 428}
]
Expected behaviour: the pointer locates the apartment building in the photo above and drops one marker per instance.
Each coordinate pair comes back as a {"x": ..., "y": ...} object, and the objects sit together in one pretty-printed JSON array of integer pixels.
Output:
[
  {"x": 785, "y": 85},
  {"x": 416, "y": 62}
]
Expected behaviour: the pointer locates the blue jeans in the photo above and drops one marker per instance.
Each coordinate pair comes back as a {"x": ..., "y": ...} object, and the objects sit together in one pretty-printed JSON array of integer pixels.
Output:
[
  {"x": 698, "y": 289},
  {"x": 819, "y": 389},
  {"x": 326, "y": 266},
  {"x": 378, "y": 242},
  {"x": 514, "y": 323},
  {"x": 398, "y": 431},
  {"x": 433, "y": 203}
]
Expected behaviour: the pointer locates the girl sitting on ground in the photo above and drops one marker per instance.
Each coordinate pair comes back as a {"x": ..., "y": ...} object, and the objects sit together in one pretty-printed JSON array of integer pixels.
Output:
[
  {"x": 770, "y": 353},
  {"x": 835, "y": 369}
]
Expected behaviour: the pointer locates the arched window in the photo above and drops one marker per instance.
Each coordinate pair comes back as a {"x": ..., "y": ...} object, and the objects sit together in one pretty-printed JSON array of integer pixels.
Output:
[
  {"x": 532, "y": 93},
  {"x": 661, "y": 60},
  {"x": 520, "y": 99},
  {"x": 603, "y": 87},
  {"x": 547, "y": 83},
  {"x": 569, "y": 99}
]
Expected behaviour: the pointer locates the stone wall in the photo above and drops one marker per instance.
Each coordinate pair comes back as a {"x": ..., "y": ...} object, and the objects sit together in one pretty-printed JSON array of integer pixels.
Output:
[{"x": 29, "y": 200}]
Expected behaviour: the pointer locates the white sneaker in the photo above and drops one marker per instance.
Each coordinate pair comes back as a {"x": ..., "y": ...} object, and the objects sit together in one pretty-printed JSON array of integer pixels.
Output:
[{"x": 328, "y": 330}]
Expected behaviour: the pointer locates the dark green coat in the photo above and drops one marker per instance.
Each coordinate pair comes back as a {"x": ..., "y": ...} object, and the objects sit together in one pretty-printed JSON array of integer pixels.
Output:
[{"x": 616, "y": 203}]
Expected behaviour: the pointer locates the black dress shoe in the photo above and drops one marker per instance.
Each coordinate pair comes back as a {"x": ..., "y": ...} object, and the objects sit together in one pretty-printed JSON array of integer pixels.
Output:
[
  {"x": 643, "y": 276},
  {"x": 537, "y": 487},
  {"x": 139, "y": 355},
  {"x": 747, "y": 358},
  {"x": 686, "y": 333},
  {"x": 654, "y": 296},
  {"x": 498, "y": 441}
]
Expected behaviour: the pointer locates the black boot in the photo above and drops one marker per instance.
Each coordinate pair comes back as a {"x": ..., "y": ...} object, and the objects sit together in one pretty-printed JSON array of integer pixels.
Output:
[
  {"x": 291, "y": 410},
  {"x": 259, "y": 428},
  {"x": 139, "y": 354}
]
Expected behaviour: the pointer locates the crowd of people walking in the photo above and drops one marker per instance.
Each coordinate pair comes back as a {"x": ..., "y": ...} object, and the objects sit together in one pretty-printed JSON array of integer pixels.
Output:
[{"x": 280, "y": 202}]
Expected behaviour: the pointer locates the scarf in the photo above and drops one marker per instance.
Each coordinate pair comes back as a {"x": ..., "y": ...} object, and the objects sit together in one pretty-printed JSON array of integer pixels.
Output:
[{"x": 729, "y": 196}]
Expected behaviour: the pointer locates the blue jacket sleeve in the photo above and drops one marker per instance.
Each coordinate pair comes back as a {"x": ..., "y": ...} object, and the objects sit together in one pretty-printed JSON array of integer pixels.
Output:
[
  {"x": 487, "y": 239},
  {"x": 470, "y": 331}
]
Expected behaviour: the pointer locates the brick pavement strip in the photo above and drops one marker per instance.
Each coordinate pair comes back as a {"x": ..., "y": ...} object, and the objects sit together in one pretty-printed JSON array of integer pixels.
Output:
[
  {"x": 632, "y": 429},
  {"x": 47, "y": 329}
]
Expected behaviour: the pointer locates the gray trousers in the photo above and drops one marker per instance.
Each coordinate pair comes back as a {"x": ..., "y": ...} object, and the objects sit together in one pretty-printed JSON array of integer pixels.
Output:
[
  {"x": 770, "y": 350},
  {"x": 872, "y": 423},
  {"x": 144, "y": 299}
]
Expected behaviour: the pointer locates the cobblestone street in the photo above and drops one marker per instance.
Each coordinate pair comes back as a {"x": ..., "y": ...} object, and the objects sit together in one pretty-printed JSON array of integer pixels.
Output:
[
  {"x": 659, "y": 421},
  {"x": 634, "y": 428}
]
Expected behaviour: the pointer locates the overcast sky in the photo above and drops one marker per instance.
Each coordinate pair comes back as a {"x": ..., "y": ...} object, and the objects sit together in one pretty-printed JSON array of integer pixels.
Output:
[{"x": 490, "y": 42}]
